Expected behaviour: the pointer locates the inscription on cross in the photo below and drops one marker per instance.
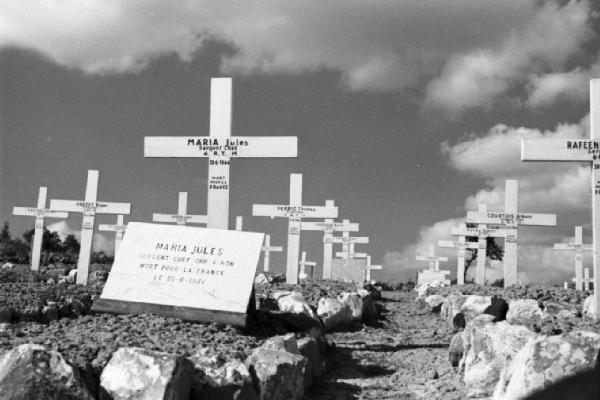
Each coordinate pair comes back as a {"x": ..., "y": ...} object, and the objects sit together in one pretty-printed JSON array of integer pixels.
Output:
[
  {"x": 578, "y": 247},
  {"x": 89, "y": 207},
  {"x": 294, "y": 212},
  {"x": 511, "y": 219},
  {"x": 119, "y": 229},
  {"x": 40, "y": 212},
  {"x": 219, "y": 147},
  {"x": 182, "y": 217}
]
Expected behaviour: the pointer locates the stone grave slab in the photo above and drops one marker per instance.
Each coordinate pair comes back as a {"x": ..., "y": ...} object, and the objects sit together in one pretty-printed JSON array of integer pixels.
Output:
[
  {"x": 430, "y": 276},
  {"x": 190, "y": 273}
]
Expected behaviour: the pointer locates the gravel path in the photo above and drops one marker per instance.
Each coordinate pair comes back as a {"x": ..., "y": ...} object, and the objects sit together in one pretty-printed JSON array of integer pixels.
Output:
[{"x": 406, "y": 357}]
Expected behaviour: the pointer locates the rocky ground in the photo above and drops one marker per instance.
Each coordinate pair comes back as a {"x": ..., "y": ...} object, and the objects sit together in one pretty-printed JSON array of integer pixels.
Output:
[{"x": 405, "y": 356}]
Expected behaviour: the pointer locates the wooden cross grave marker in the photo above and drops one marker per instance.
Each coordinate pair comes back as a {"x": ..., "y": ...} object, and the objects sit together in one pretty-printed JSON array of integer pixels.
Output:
[
  {"x": 371, "y": 267},
  {"x": 303, "y": 264},
  {"x": 348, "y": 243},
  {"x": 219, "y": 147},
  {"x": 580, "y": 150},
  {"x": 267, "y": 249},
  {"x": 295, "y": 212},
  {"x": 511, "y": 219},
  {"x": 432, "y": 259},
  {"x": 587, "y": 280},
  {"x": 89, "y": 207},
  {"x": 182, "y": 217},
  {"x": 119, "y": 228},
  {"x": 433, "y": 273},
  {"x": 40, "y": 212},
  {"x": 577, "y": 246},
  {"x": 482, "y": 232},
  {"x": 329, "y": 226},
  {"x": 239, "y": 223}
]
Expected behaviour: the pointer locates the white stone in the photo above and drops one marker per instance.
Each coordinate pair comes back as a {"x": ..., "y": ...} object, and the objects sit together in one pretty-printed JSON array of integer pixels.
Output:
[
  {"x": 334, "y": 313},
  {"x": 354, "y": 302},
  {"x": 474, "y": 306},
  {"x": 211, "y": 269},
  {"x": 525, "y": 312},
  {"x": 589, "y": 307},
  {"x": 434, "y": 300}
]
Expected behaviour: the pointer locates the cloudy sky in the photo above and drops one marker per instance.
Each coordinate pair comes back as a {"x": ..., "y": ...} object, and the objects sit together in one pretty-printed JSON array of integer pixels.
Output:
[{"x": 407, "y": 112}]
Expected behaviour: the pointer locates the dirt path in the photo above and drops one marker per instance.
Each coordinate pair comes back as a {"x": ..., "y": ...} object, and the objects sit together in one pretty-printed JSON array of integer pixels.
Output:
[{"x": 404, "y": 358}]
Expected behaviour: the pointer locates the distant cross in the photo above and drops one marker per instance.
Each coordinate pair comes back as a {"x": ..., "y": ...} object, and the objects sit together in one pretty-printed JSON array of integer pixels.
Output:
[
  {"x": 432, "y": 259},
  {"x": 577, "y": 149},
  {"x": 119, "y": 230},
  {"x": 348, "y": 242},
  {"x": 239, "y": 223},
  {"x": 587, "y": 280},
  {"x": 89, "y": 207},
  {"x": 182, "y": 217},
  {"x": 328, "y": 226},
  {"x": 303, "y": 264},
  {"x": 482, "y": 232},
  {"x": 566, "y": 285},
  {"x": 40, "y": 212},
  {"x": 267, "y": 249},
  {"x": 371, "y": 267},
  {"x": 510, "y": 219},
  {"x": 219, "y": 147},
  {"x": 295, "y": 212},
  {"x": 461, "y": 245},
  {"x": 577, "y": 246}
]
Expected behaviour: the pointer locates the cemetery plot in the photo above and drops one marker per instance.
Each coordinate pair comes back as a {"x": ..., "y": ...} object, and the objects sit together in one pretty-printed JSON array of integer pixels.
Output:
[
  {"x": 577, "y": 149},
  {"x": 89, "y": 207},
  {"x": 190, "y": 273},
  {"x": 40, "y": 213},
  {"x": 295, "y": 212},
  {"x": 219, "y": 147}
]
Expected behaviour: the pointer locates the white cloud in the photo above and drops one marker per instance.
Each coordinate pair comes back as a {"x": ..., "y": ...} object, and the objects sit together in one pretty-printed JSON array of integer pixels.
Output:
[
  {"x": 376, "y": 45},
  {"x": 477, "y": 78},
  {"x": 100, "y": 241}
]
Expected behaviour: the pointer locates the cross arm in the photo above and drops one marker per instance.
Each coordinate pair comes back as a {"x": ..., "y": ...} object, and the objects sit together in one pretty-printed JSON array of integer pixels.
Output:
[
  {"x": 98, "y": 207},
  {"x": 280, "y": 210},
  {"x": 39, "y": 212},
  {"x": 558, "y": 149}
]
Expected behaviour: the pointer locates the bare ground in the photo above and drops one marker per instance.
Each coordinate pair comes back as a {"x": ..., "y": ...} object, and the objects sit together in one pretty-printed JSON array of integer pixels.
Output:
[{"x": 404, "y": 357}]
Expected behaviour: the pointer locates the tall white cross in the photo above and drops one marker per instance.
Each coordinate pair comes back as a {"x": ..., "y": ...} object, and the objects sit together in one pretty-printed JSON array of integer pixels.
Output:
[
  {"x": 219, "y": 147},
  {"x": 371, "y": 267},
  {"x": 295, "y": 211},
  {"x": 510, "y": 219},
  {"x": 89, "y": 207},
  {"x": 432, "y": 259},
  {"x": 119, "y": 228},
  {"x": 461, "y": 245},
  {"x": 182, "y": 217},
  {"x": 303, "y": 264},
  {"x": 267, "y": 249},
  {"x": 577, "y": 246},
  {"x": 587, "y": 280},
  {"x": 239, "y": 223},
  {"x": 482, "y": 232},
  {"x": 40, "y": 212},
  {"x": 577, "y": 149}
]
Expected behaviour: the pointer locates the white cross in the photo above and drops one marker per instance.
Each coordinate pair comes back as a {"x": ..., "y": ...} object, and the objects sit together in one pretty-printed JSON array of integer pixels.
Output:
[
  {"x": 40, "y": 212},
  {"x": 482, "y": 232},
  {"x": 303, "y": 264},
  {"x": 89, "y": 207},
  {"x": 295, "y": 211},
  {"x": 511, "y": 218},
  {"x": 578, "y": 246},
  {"x": 565, "y": 285},
  {"x": 329, "y": 226},
  {"x": 348, "y": 243},
  {"x": 119, "y": 230},
  {"x": 461, "y": 245},
  {"x": 182, "y": 217},
  {"x": 434, "y": 262},
  {"x": 239, "y": 223},
  {"x": 219, "y": 147},
  {"x": 267, "y": 249},
  {"x": 371, "y": 267},
  {"x": 587, "y": 280}
]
